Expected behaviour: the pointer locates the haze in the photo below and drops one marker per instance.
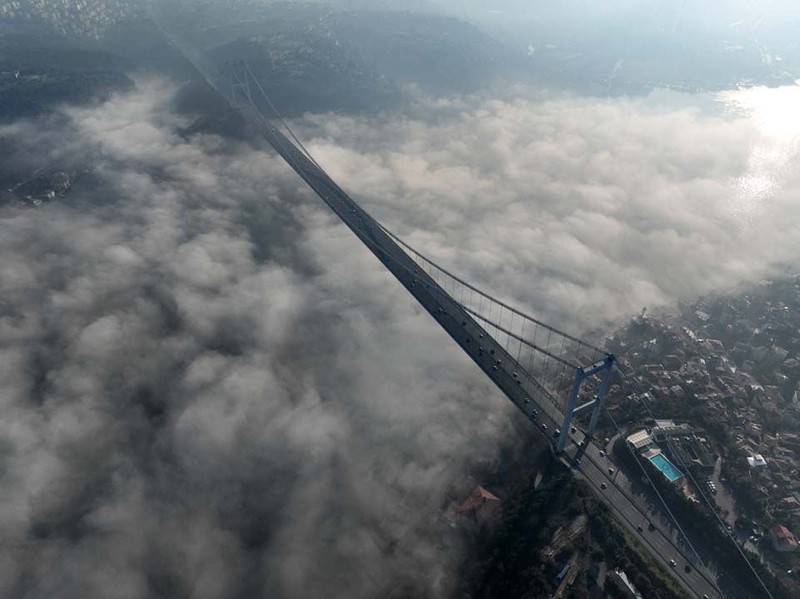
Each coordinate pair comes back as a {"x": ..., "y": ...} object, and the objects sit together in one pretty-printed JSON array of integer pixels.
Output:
[{"x": 210, "y": 388}]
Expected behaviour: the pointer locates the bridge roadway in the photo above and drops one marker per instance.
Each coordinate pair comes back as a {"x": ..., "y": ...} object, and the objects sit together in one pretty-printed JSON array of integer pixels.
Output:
[
  {"x": 663, "y": 540},
  {"x": 495, "y": 361}
]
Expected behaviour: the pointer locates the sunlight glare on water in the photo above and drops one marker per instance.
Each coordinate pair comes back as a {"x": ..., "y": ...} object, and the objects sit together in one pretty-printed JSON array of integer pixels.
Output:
[{"x": 774, "y": 112}]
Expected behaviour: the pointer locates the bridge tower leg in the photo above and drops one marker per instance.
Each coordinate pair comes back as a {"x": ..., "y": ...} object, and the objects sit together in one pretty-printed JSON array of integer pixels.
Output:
[
  {"x": 595, "y": 405},
  {"x": 238, "y": 76},
  {"x": 601, "y": 396}
]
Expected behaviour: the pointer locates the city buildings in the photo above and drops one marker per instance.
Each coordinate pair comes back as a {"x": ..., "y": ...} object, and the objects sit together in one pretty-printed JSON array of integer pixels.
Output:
[{"x": 723, "y": 380}]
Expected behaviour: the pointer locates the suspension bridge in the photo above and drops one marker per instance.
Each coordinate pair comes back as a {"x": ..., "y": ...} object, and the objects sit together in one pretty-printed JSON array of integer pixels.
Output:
[
  {"x": 556, "y": 380},
  {"x": 551, "y": 376}
]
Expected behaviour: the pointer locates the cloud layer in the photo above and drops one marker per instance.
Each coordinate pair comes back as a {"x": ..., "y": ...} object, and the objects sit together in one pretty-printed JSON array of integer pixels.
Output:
[
  {"x": 211, "y": 389},
  {"x": 583, "y": 210}
]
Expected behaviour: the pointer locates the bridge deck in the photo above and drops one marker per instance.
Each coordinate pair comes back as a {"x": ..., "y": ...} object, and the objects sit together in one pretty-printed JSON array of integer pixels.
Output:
[{"x": 535, "y": 402}]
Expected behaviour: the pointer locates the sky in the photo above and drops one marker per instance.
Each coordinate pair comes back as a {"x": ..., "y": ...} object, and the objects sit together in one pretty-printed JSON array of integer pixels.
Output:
[
  {"x": 211, "y": 389},
  {"x": 708, "y": 11}
]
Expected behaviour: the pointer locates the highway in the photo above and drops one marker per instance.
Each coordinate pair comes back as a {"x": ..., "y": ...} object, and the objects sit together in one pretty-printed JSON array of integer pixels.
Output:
[{"x": 663, "y": 540}]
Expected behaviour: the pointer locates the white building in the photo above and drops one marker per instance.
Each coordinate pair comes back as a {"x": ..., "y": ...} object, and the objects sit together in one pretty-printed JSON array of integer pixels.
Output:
[
  {"x": 640, "y": 439},
  {"x": 620, "y": 580},
  {"x": 757, "y": 461}
]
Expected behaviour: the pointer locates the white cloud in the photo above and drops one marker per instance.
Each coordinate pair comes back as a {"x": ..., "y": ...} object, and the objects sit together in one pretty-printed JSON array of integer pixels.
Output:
[
  {"x": 202, "y": 402},
  {"x": 211, "y": 388},
  {"x": 582, "y": 210}
]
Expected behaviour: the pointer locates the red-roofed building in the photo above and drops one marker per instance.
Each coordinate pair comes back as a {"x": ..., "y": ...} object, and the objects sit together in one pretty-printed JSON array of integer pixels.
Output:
[
  {"x": 783, "y": 540},
  {"x": 480, "y": 505}
]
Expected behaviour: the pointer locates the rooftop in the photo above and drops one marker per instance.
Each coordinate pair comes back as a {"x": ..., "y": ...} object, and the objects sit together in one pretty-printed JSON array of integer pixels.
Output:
[
  {"x": 478, "y": 497},
  {"x": 640, "y": 439}
]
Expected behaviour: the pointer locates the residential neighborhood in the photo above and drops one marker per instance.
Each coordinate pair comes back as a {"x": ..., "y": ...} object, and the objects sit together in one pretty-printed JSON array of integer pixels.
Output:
[{"x": 710, "y": 399}]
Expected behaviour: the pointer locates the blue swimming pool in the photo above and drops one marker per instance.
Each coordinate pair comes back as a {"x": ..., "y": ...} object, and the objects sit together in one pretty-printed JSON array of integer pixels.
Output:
[{"x": 667, "y": 467}]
